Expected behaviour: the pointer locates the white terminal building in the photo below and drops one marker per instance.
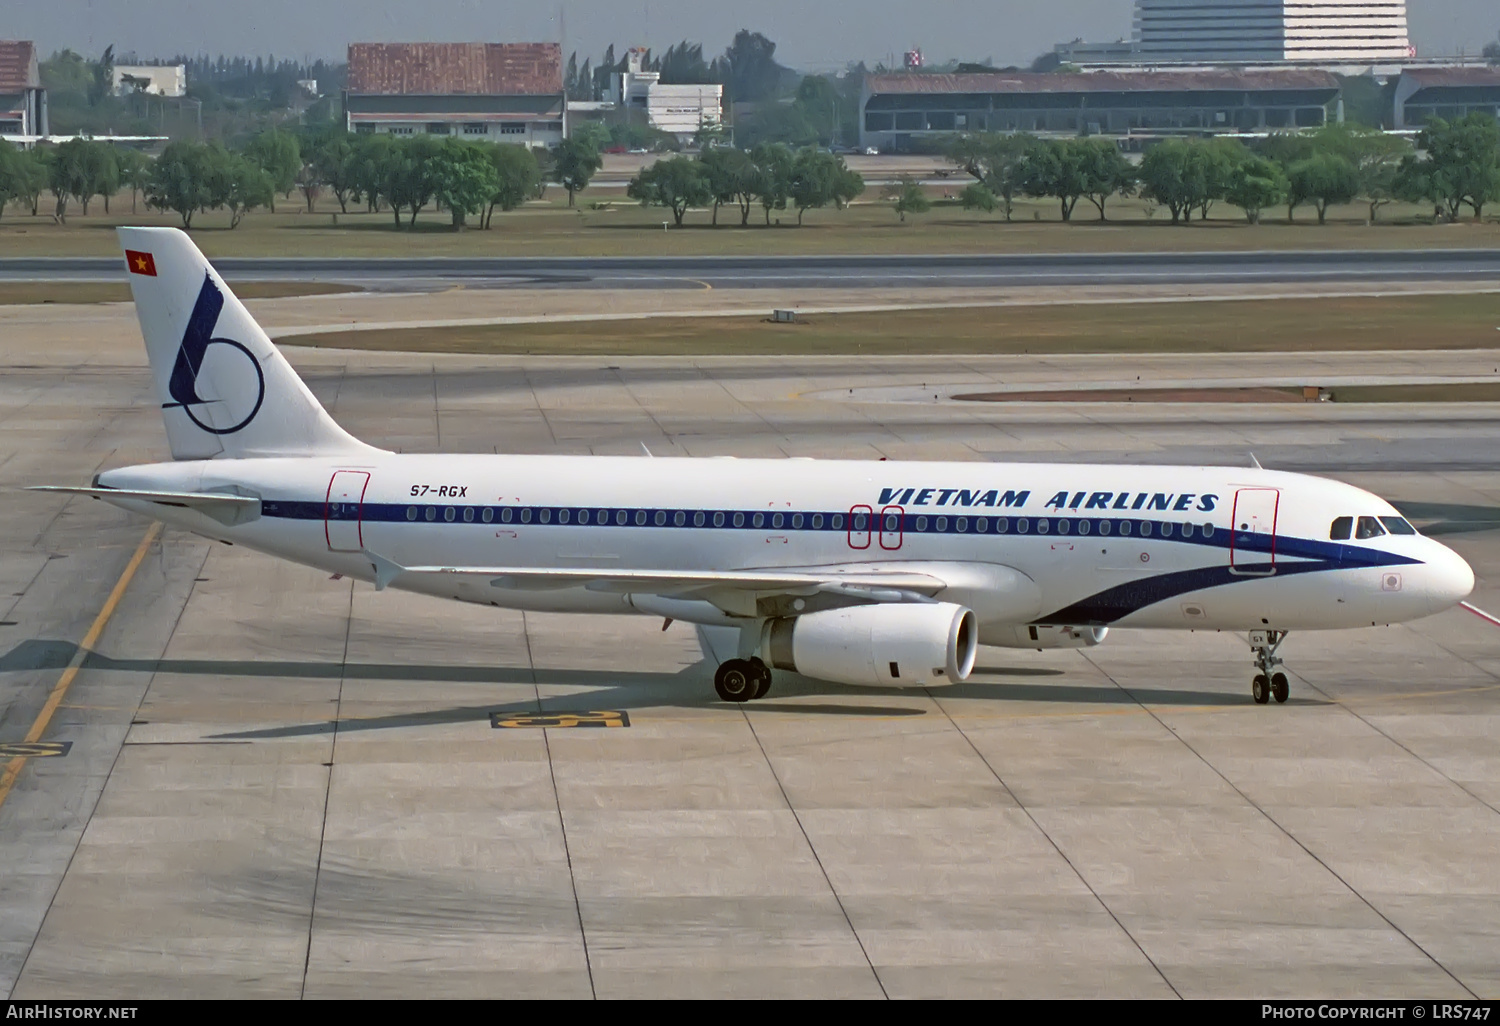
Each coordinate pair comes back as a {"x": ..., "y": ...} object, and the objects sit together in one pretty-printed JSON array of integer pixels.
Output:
[
  {"x": 1267, "y": 31},
  {"x": 683, "y": 110},
  {"x": 157, "y": 80}
]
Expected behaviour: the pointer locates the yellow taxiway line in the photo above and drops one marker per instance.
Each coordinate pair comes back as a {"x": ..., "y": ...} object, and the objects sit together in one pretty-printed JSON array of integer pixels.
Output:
[{"x": 60, "y": 689}]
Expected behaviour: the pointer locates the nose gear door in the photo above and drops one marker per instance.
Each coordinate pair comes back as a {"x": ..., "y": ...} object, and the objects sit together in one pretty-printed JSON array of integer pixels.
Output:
[
  {"x": 1252, "y": 535},
  {"x": 343, "y": 510}
]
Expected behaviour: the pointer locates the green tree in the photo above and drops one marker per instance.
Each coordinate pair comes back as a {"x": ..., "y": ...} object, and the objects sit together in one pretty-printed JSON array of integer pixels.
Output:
[
  {"x": 577, "y": 161},
  {"x": 67, "y": 173},
  {"x": 908, "y": 197},
  {"x": 1462, "y": 165},
  {"x": 463, "y": 179},
  {"x": 818, "y": 179},
  {"x": 10, "y": 174},
  {"x": 1217, "y": 160},
  {"x": 518, "y": 177},
  {"x": 1256, "y": 183},
  {"x": 676, "y": 183},
  {"x": 594, "y": 134},
  {"x": 368, "y": 168},
  {"x": 732, "y": 178},
  {"x": 102, "y": 76},
  {"x": 976, "y": 197},
  {"x": 1376, "y": 157},
  {"x": 1176, "y": 174},
  {"x": 31, "y": 176},
  {"x": 997, "y": 160},
  {"x": 1322, "y": 179},
  {"x": 1105, "y": 170},
  {"x": 773, "y": 180},
  {"x": 1052, "y": 169},
  {"x": 135, "y": 172},
  {"x": 412, "y": 182},
  {"x": 182, "y": 180},
  {"x": 279, "y": 155},
  {"x": 239, "y": 184},
  {"x": 331, "y": 154}
]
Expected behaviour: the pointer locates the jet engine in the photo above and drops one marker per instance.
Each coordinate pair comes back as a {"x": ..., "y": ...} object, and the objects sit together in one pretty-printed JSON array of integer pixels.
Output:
[
  {"x": 1039, "y": 637},
  {"x": 889, "y": 645}
]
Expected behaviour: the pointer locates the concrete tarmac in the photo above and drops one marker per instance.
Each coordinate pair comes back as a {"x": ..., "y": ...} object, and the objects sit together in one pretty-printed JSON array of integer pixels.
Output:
[{"x": 284, "y": 785}]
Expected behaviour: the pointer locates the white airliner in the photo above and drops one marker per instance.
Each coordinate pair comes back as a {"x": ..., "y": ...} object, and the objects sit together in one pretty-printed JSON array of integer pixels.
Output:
[{"x": 866, "y": 573}]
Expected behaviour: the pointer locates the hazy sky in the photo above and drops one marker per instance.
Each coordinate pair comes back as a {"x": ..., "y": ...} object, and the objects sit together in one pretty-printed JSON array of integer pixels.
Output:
[{"x": 811, "y": 34}]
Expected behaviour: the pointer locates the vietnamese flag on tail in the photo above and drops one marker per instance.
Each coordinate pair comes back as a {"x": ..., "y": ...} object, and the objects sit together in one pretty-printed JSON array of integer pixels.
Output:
[{"x": 140, "y": 263}]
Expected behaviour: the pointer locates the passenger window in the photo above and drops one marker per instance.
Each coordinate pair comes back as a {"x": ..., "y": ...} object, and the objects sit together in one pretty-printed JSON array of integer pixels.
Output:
[
  {"x": 1341, "y": 529},
  {"x": 1368, "y": 527},
  {"x": 1397, "y": 525}
]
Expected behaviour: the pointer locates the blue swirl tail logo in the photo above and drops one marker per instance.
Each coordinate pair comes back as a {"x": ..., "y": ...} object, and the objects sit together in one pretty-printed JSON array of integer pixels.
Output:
[{"x": 196, "y": 341}]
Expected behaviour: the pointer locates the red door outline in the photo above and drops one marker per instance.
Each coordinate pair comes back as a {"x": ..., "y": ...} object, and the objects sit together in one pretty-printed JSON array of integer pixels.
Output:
[
  {"x": 341, "y": 492},
  {"x": 1251, "y": 504},
  {"x": 886, "y": 536},
  {"x": 862, "y": 535}
]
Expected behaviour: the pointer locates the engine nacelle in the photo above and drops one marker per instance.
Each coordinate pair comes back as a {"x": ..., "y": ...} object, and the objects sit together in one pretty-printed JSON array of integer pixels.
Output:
[
  {"x": 1039, "y": 637},
  {"x": 903, "y": 644}
]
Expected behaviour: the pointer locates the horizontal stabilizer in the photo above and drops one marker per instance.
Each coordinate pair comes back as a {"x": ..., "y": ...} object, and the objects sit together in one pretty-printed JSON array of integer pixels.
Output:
[{"x": 226, "y": 509}]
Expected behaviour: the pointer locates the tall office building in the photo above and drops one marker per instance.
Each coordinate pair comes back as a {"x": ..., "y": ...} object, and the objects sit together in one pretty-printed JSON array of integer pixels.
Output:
[{"x": 1256, "y": 31}]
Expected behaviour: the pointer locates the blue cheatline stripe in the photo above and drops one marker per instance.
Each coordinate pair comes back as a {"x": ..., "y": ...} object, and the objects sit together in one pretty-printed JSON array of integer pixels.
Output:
[
  {"x": 1115, "y": 603},
  {"x": 1324, "y": 555}
]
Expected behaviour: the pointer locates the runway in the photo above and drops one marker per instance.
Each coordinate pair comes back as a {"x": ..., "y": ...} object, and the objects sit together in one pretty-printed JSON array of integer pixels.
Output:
[
  {"x": 869, "y": 272},
  {"x": 283, "y": 785}
]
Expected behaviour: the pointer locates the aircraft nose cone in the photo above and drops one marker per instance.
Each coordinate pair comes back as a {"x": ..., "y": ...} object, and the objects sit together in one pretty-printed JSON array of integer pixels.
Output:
[{"x": 1452, "y": 579}]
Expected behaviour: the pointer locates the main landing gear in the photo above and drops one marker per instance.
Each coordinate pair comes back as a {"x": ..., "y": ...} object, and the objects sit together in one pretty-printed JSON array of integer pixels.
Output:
[
  {"x": 1269, "y": 682},
  {"x": 740, "y": 680}
]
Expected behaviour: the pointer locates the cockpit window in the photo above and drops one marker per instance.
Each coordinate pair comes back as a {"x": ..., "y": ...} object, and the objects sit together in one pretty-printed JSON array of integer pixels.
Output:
[
  {"x": 1368, "y": 527},
  {"x": 1397, "y": 525},
  {"x": 1341, "y": 529}
]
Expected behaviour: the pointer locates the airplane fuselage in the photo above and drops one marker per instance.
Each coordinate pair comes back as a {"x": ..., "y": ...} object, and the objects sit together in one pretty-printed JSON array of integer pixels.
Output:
[{"x": 1074, "y": 545}]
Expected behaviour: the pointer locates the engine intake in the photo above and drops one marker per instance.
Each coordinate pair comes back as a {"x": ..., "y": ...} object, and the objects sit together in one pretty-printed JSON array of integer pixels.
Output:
[{"x": 904, "y": 644}]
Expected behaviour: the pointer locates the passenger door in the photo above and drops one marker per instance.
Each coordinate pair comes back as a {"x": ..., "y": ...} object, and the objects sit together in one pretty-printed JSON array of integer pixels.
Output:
[
  {"x": 1252, "y": 536},
  {"x": 344, "y": 509}
]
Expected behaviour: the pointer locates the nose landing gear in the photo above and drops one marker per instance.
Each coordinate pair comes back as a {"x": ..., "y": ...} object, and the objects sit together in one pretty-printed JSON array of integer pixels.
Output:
[
  {"x": 740, "y": 680},
  {"x": 1269, "y": 682}
]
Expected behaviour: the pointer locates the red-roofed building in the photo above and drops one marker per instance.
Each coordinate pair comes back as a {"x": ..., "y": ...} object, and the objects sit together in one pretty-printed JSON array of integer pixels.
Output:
[
  {"x": 1449, "y": 93},
  {"x": 505, "y": 92},
  {"x": 898, "y": 109},
  {"x": 23, "y": 101}
]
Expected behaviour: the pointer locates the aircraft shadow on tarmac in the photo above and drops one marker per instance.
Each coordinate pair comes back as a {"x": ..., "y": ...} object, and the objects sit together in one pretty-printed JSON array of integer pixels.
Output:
[{"x": 617, "y": 689}]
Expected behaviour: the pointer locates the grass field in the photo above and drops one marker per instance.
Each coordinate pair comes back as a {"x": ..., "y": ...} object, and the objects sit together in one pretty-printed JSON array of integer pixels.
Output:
[
  {"x": 21, "y": 293},
  {"x": 1407, "y": 322},
  {"x": 604, "y": 224}
]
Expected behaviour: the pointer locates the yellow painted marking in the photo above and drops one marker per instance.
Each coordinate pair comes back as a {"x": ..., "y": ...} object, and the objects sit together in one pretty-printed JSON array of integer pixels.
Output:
[
  {"x": 705, "y": 284},
  {"x": 592, "y": 718},
  {"x": 22, "y": 750},
  {"x": 60, "y": 689}
]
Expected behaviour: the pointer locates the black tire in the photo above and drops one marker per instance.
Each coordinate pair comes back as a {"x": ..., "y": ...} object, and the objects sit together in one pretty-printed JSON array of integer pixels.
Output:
[
  {"x": 736, "y": 681},
  {"x": 1279, "y": 687},
  {"x": 763, "y": 682},
  {"x": 1260, "y": 689}
]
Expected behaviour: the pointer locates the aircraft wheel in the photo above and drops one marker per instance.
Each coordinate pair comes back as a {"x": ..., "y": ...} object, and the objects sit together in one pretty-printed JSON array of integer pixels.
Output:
[
  {"x": 1260, "y": 689},
  {"x": 736, "y": 680},
  {"x": 1279, "y": 688},
  {"x": 763, "y": 677}
]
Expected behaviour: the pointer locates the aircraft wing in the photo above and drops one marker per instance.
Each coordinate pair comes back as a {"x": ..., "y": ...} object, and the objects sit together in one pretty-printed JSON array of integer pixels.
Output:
[
  {"x": 225, "y": 508},
  {"x": 725, "y": 588}
]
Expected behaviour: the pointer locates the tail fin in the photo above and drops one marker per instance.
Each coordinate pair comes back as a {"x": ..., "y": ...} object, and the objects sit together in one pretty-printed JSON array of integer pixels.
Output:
[{"x": 225, "y": 390}]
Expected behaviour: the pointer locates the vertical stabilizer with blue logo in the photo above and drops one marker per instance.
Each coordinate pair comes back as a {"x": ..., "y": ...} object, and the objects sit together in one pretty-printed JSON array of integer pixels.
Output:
[{"x": 225, "y": 390}]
